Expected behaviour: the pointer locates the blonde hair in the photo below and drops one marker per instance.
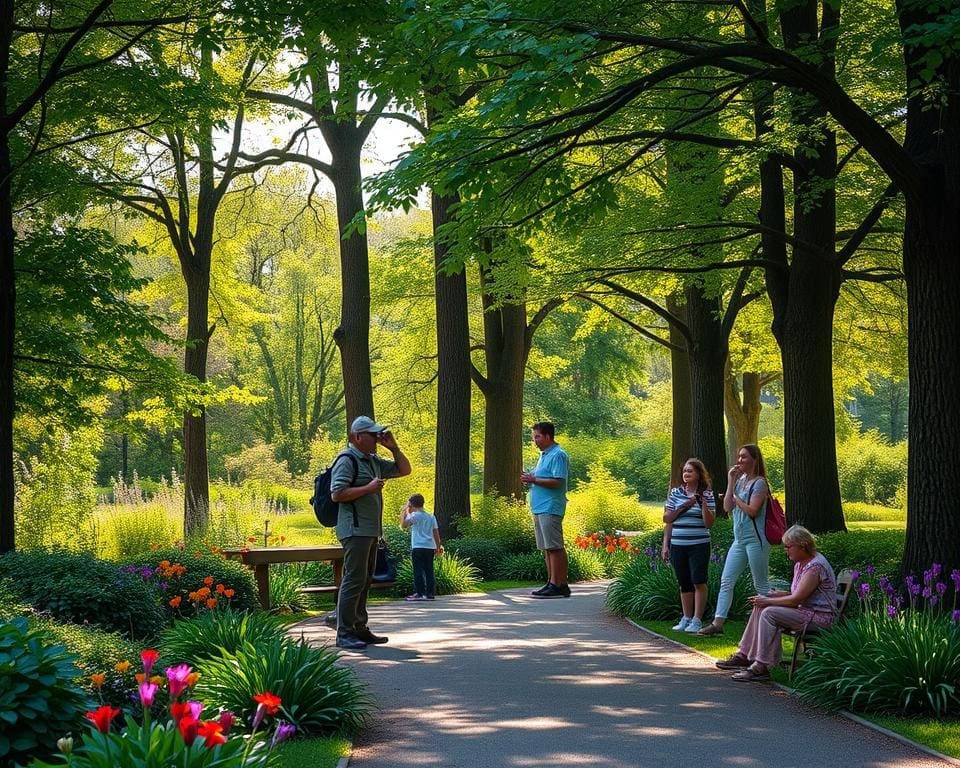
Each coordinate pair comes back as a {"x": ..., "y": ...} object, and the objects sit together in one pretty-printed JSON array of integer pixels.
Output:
[{"x": 797, "y": 534}]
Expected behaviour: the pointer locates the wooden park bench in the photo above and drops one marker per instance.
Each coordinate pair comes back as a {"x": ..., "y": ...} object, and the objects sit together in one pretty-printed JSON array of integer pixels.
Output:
[{"x": 261, "y": 558}]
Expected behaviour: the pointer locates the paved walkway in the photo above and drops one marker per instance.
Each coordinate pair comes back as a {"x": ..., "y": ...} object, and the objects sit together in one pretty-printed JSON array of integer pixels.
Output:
[{"x": 507, "y": 681}]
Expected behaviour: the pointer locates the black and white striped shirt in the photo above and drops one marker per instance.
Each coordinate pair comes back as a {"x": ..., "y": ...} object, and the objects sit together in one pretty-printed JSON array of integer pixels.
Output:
[{"x": 689, "y": 528}]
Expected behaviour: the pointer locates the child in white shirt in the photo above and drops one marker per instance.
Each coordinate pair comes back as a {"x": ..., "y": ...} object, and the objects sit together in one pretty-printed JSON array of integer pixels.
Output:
[{"x": 424, "y": 545}]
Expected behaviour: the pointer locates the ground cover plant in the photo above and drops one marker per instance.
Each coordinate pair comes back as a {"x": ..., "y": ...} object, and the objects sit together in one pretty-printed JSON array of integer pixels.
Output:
[{"x": 453, "y": 575}]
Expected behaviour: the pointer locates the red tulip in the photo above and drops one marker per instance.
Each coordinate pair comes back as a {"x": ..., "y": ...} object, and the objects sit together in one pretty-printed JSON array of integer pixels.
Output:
[
  {"x": 189, "y": 728},
  {"x": 212, "y": 733},
  {"x": 149, "y": 658},
  {"x": 102, "y": 717}
]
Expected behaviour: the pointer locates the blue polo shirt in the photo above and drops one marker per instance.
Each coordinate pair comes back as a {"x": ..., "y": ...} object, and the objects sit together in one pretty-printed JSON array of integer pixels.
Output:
[{"x": 553, "y": 463}]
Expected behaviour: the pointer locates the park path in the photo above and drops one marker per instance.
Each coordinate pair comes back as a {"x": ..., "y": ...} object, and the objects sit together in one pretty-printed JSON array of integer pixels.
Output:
[{"x": 507, "y": 681}]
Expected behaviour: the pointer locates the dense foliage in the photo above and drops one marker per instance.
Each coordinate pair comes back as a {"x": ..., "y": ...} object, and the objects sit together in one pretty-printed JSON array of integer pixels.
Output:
[{"x": 211, "y": 633}]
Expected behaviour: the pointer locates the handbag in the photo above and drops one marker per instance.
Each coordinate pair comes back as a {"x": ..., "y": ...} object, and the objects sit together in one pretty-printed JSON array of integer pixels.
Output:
[
  {"x": 386, "y": 568},
  {"x": 775, "y": 522}
]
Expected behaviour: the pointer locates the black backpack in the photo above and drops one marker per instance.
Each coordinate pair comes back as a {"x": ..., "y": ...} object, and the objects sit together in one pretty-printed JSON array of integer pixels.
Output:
[{"x": 326, "y": 509}]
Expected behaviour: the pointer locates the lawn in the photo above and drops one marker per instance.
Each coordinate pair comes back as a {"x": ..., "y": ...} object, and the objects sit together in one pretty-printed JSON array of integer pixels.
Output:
[{"x": 317, "y": 753}]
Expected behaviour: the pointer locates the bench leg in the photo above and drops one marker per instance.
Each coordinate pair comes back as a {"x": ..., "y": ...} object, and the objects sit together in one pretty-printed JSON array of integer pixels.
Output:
[{"x": 261, "y": 573}]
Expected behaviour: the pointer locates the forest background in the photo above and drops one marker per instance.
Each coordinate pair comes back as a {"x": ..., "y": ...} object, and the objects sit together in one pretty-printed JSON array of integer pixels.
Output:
[{"x": 206, "y": 287}]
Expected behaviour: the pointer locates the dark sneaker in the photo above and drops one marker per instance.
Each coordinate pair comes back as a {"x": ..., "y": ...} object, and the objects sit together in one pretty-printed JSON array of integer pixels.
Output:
[
  {"x": 431, "y": 597},
  {"x": 552, "y": 591},
  {"x": 736, "y": 661},
  {"x": 371, "y": 639},
  {"x": 542, "y": 589},
  {"x": 753, "y": 674},
  {"x": 330, "y": 619},
  {"x": 350, "y": 643}
]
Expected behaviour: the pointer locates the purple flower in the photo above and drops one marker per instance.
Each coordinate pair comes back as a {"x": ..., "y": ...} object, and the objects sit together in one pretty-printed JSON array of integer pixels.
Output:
[
  {"x": 178, "y": 679},
  {"x": 284, "y": 731},
  {"x": 934, "y": 600},
  {"x": 956, "y": 616},
  {"x": 927, "y": 592},
  {"x": 891, "y": 610},
  {"x": 163, "y": 586},
  {"x": 146, "y": 573},
  {"x": 869, "y": 570},
  {"x": 927, "y": 576},
  {"x": 935, "y": 569},
  {"x": 955, "y": 576},
  {"x": 914, "y": 589},
  {"x": 941, "y": 587},
  {"x": 864, "y": 589},
  {"x": 854, "y": 575}
]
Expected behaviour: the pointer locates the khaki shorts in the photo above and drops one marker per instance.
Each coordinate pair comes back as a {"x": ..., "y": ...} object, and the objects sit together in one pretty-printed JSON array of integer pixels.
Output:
[{"x": 549, "y": 531}]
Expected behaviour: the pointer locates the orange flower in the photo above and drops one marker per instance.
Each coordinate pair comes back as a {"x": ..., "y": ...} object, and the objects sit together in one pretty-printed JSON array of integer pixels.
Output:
[
  {"x": 192, "y": 679},
  {"x": 98, "y": 679},
  {"x": 283, "y": 539},
  {"x": 193, "y": 597},
  {"x": 208, "y": 581},
  {"x": 252, "y": 539},
  {"x": 228, "y": 593},
  {"x": 158, "y": 679},
  {"x": 164, "y": 564},
  {"x": 122, "y": 666},
  {"x": 212, "y": 603},
  {"x": 203, "y": 592},
  {"x": 139, "y": 677},
  {"x": 198, "y": 554},
  {"x": 220, "y": 589},
  {"x": 270, "y": 702},
  {"x": 611, "y": 549},
  {"x": 175, "y": 601}
]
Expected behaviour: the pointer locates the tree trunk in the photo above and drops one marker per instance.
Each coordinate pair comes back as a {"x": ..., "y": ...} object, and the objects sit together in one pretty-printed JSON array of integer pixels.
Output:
[
  {"x": 196, "y": 488},
  {"x": 451, "y": 489},
  {"x": 353, "y": 335},
  {"x": 681, "y": 443},
  {"x": 7, "y": 303},
  {"x": 707, "y": 385},
  {"x": 505, "y": 349},
  {"x": 742, "y": 407},
  {"x": 803, "y": 312},
  {"x": 931, "y": 263}
]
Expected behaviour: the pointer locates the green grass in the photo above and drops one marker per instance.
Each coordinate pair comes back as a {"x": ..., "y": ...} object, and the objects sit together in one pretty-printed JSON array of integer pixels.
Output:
[
  {"x": 323, "y": 752},
  {"x": 941, "y": 735}
]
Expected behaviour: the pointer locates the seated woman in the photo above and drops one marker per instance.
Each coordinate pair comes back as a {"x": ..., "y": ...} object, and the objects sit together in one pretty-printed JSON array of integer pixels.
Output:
[{"x": 811, "y": 600}]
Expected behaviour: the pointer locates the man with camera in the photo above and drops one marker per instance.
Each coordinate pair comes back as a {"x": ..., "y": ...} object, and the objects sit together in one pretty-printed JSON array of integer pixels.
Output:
[{"x": 360, "y": 522}]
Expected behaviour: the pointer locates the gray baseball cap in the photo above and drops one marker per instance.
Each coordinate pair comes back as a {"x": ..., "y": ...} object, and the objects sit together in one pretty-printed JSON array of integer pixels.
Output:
[{"x": 366, "y": 424}]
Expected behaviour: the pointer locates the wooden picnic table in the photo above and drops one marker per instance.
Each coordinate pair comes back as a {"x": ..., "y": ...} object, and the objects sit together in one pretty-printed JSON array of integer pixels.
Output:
[{"x": 261, "y": 558}]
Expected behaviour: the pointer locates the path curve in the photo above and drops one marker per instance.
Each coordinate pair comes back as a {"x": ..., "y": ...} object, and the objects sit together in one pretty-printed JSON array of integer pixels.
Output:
[{"x": 507, "y": 681}]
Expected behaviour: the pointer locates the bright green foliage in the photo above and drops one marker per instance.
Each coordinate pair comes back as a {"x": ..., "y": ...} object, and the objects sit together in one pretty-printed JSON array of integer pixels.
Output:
[
  {"x": 286, "y": 580},
  {"x": 603, "y": 504},
  {"x": 39, "y": 700},
  {"x": 506, "y": 522},
  {"x": 856, "y": 549},
  {"x": 453, "y": 575},
  {"x": 199, "y": 566},
  {"x": 145, "y": 745},
  {"x": 212, "y": 633},
  {"x": 484, "y": 554},
  {"x": 97, "y": 651},
  {"x": 81, "y": 589},
  {"x": 909, "y": 665},
  {"x": 398, "y": 541},
  {"x": 585, "y": 566},
  {"x": 526, "y": 566},
  {"x": 648, "y": 589},
  {"x": 319, "y": 695},
  {"x": 870, "y": 469}
]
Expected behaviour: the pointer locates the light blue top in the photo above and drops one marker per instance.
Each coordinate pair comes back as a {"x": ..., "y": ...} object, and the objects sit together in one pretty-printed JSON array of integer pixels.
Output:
[
  {"x": 422, "y": 526},
  {"x": 553, "y": 463},
  {"x": 744, "y": 531}
]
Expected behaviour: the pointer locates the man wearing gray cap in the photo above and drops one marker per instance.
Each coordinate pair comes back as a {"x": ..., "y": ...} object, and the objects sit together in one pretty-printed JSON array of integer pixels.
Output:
[{"x": 360, "y": 522}]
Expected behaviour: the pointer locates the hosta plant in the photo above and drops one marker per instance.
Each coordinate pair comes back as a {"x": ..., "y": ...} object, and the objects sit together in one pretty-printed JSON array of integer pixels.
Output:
[{"x": 39, "y": 699}]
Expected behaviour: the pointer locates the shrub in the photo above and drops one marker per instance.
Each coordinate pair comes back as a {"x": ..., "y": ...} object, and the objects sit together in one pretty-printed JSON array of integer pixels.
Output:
[
  {"x": 98, "y": 653},
  {"x": 199, "y": 571},
  {"x": 286, "y": 582},
  {"x": 78, "y": 588},
  {"x": 507, "y": 522},
  {"x": 319, "y": 695},
  {"x": 528, "y": 566},
  {"x": 398, "y": 541},
  {"x": 604, "y": 503},
  {"x": 870, "y": 469},
  {"x": 584, "y": 566},
  {"x": 453, "y": 575},
  {"x": 645, "y": 466},
  {"x": 483, "y": 554},
  {"x": 907, "y": 665},
  {"x": 212, "y": 633},
  {"x": 857, "y": 549},
  {"x": 39, "y": 700},
  {"x": 612, "y": 551},
  {"x": 648, "y": 589}
]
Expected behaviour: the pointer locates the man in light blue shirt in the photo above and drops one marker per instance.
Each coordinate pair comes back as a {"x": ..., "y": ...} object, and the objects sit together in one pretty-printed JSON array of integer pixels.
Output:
[{"x": 548, "y": 502}]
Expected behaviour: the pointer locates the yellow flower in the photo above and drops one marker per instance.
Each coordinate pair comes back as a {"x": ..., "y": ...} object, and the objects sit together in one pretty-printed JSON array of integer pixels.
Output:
[{"x": 122, "y": 666}]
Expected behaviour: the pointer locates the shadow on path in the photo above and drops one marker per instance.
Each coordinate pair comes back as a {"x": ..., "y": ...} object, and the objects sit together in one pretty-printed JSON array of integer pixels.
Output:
[{"x": 508, "y": 681}]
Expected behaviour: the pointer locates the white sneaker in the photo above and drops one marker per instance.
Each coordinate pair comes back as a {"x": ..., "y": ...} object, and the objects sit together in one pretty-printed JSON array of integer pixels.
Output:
[
  {"x": 694, "y": 625},
  {"x": 681, "y": 626}
]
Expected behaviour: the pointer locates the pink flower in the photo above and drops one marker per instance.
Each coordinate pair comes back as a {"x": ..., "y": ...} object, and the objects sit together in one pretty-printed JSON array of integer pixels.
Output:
[
  {"x": 227, "y": 720},
  {"x": 147, "y": 692},
  {"x": 178, "y": 679}
]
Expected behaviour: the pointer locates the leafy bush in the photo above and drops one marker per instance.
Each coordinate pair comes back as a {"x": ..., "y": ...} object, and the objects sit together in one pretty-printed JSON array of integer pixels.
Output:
[
  {"x": 453, "y": 575},
  {"x": 528, "y": 566},
  {"x": 98, "y": 653},
  {"x": 908, "y": 665},
  {"x": 286, "y": 581},
  {"x": 125, "y": 532},
  {"x": 507, "y": 522},
  {"x": 773, "y": 452},
  {"x": 870, "y": 469},
  {"x": 648, "y": 589},
  {"x": 319, "y": 695},
  {"x": 211, "y": 633},
  {"x": 78, "y": 588},
  {"x": 856, "y": 549},
  {"x": 484, "y": 554},
  {"x": 603, "y": 504},
  {"x": 198, "y": 567},
  {"x": 39, "y": 700},
  {"x": 398, "y": 541},
  {"x": 857, "y": 511},
  {"x": 584, "y": 566},
  {"x": 644, "y": 466}
]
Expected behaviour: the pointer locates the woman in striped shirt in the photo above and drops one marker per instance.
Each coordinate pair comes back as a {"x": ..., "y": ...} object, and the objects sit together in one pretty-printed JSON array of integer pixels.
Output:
[{"x": 689, "y": 514}]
